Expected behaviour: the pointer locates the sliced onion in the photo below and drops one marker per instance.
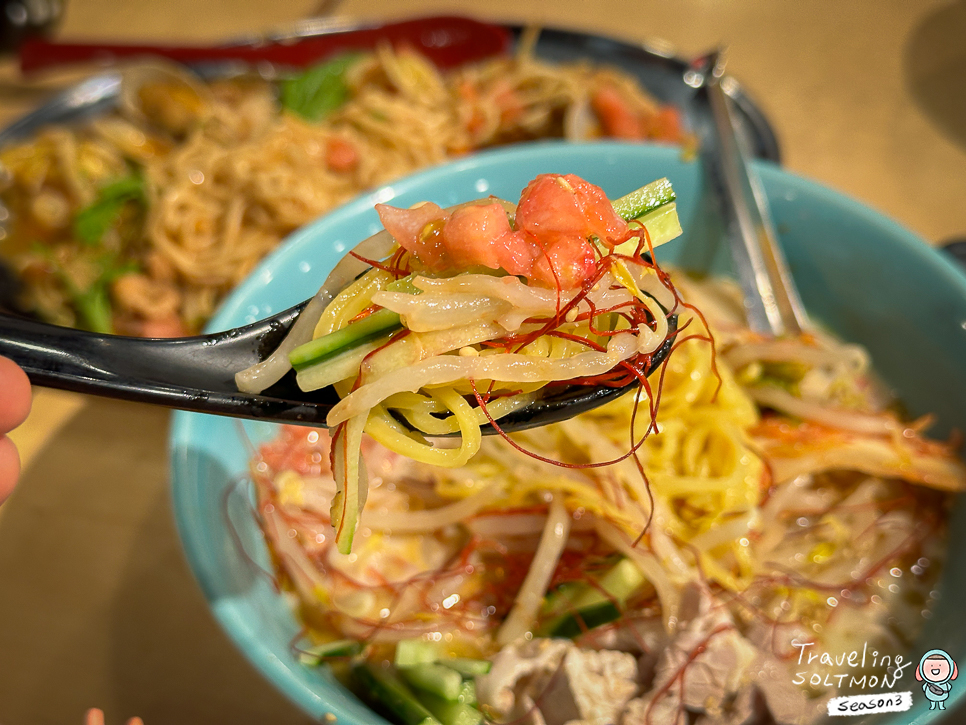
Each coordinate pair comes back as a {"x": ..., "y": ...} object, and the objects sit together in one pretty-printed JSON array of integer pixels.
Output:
[
  {"x": 876, "y": 457},
  {"x": 510, "y": 368},
  {"x": 412, "y": 522},
  {"x": 855, "y": 421},
  {"x": 534, "y": 588},
  {"x": 426, "y": 312},
  {"x": 854, "y": 357},
  {"x": 656, "y": 574},
  {"x": 268, "y": 372},
  {"x": 525, "y": 301},
  {"x": 498, "y": 525}
]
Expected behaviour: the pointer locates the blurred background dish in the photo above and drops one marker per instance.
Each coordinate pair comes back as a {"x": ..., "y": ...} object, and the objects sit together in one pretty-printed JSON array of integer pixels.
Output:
[
  {"x": 97, "y": 604},
  {"x": 136, "y": 200}
]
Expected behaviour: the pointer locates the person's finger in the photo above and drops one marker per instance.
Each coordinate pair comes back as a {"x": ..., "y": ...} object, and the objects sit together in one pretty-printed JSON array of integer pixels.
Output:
[
  {"x": 9, "y": 467},
  {"x": 94, "y": 717},
  {"x": 135, "y": 721},
  {"x": 14, "y": 395}
]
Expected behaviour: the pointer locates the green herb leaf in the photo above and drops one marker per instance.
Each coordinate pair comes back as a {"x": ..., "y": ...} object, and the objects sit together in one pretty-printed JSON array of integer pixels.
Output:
[
  {"x": 92, "y": 222},
  {"x": 94, "y": 308},
  {"x": 91, "y": 303},
  {"x": 319, "y": 90}
]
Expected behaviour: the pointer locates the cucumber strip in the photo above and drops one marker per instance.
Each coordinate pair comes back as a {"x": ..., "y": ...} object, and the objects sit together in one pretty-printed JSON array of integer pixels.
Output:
[
  {"x": 644, "y": 200},
  {"x": 450, "y": 713},
  {"x": 311, "y": 353},
  {"x": 315, "y": 655},
  {"x": 620, "y": 581},
  {"x": 662, "y": 226},
  {"x": 468, "y": 667},
  {"x": 573, "y": 625},
  {"x": 404, "y": 285},
  {"x": 468, "y": 693},
  {"x": 383, "y": 686},
  {"x": 411, "y": 652},
  {"x": 436, "y": 679},
  {"x": 341, "y": 365},
  {"x": 591, "y": 606}
]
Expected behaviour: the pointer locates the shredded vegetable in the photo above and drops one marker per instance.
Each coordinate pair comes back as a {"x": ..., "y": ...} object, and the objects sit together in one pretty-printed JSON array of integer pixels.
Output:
[
  {"x": 588, "y": 591},
  {"x": 415, "y": 337}
]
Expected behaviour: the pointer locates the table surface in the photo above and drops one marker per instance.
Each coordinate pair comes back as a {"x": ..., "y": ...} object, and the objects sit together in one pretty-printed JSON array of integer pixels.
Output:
[{"x": 97, "y": 606}]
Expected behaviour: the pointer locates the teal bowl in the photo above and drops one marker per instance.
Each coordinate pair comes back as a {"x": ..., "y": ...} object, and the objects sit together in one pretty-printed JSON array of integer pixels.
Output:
[{"x": 862, "y": 275}]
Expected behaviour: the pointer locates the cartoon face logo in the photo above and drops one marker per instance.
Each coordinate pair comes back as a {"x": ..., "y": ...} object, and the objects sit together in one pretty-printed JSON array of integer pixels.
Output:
[{"x": 936, "y": 671}]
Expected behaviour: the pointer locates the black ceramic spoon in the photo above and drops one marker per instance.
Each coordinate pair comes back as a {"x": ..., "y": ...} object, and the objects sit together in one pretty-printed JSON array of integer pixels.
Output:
[{"x": 198, "y": 373}]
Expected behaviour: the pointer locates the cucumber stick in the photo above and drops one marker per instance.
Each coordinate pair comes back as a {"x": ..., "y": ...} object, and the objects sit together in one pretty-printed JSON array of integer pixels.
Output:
[
  {"x": 467, "y": 667},
  {"x": 411, "y": 652},
  {"x": 654, "y": 207},
  {"x": 645, "y": 200},
  {"x": 620, "y": 581},
  {"x": 314, "y": 656},
  {"x": 383, "y": 686},
  {"x": 370, "y": 328},
  {"x": 591, "y": 606},
  {"x": 375, "y": 325},
  {"x": 435, "y": 679},
  {"x": 468, "y": 693},
  {"x": 662, "y": 226},
  {"x": 584, "y": 619},
  {"x": 450, "y": 713}
]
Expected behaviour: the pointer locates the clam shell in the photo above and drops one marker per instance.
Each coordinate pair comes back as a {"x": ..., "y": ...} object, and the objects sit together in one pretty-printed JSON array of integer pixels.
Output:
[{"x": 165, "y": 95}]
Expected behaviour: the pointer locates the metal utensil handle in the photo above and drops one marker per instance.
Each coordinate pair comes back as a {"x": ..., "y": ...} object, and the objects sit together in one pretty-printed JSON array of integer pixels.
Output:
[{"x": 771, "y": 298}]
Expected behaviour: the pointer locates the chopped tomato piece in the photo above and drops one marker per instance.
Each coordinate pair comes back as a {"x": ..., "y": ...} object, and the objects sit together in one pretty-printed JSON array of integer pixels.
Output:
[
  {"x": 567, "y": 263},
  {"x": 165, "y": 327},
  {"x": 556, "y": 219},
  {"x": 669, "y": 124},
  {"x": 616, "y": 117},
  {"x": 473, "y": 233},
  {"x": 341, "y": 155},
  {"x": 508, "y": 101},
  {"x": 554, "y": 206},
  {"x": 407, "y": 226}
]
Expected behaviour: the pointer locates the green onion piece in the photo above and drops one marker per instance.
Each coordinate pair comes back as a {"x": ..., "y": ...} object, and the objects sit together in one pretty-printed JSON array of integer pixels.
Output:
[
  {"x": 320, "y": 90},
  {"x": 94, "y": 308},
  {"x": 92, "y": 222}
]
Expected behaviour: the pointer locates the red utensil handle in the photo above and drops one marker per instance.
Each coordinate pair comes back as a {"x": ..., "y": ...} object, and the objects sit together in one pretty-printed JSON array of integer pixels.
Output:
[{"x": 448, "y": 41}]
